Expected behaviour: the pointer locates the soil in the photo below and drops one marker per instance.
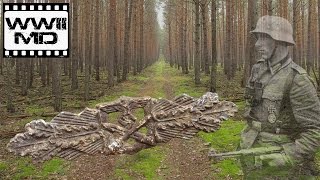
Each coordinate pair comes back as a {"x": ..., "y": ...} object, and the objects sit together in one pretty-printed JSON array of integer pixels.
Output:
[{"x": 184, "y": 159}]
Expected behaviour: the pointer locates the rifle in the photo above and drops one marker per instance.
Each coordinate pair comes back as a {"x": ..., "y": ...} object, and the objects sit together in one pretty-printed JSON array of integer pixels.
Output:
[{"x": 246, "y": 152}]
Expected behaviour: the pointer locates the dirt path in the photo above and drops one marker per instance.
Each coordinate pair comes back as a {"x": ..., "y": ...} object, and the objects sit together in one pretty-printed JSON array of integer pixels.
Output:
[
  {"x": 183, "y": 159},
  {"x": 186, "y": 159}
]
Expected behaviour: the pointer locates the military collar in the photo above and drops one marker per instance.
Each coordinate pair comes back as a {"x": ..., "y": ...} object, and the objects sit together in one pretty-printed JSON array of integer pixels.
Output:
[{"x": 278, "y": 66}]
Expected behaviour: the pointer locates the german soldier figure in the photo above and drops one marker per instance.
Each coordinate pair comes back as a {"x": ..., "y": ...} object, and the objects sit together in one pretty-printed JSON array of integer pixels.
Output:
[{"x": 283, "y": 108}]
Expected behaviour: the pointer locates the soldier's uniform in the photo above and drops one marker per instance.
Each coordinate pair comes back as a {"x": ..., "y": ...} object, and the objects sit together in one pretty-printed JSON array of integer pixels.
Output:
[{"x": 283, "y": 110}]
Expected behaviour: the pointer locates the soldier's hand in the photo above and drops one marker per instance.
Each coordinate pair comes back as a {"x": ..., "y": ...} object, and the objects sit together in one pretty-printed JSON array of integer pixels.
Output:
[{"x": 276, "y": 159}]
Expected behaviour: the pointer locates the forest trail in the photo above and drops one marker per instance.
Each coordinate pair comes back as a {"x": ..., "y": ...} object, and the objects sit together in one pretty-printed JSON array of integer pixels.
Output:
[
  {"x": 186, "y": 159},
  {"x": 178, "y": 159},
  {"x": 182, "y": 159}
]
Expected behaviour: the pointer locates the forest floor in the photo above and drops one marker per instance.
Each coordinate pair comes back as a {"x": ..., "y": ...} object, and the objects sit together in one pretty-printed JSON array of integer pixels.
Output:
[{"x": 178, "y": 159}]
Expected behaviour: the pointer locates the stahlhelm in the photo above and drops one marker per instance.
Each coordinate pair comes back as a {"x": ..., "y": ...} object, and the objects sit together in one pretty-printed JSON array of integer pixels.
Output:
[{"x": 277, "y": 27}]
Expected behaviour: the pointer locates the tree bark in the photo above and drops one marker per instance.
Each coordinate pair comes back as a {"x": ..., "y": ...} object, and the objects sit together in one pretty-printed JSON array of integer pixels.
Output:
[
  {"x": 250, "y": 58},
  {"x": 141, "y": 48},
  {"x": 74, "y": 57},
  {"x": 205, "y": 36},
  {"x": 97, "y": 40},
  {"x": 10, "y": 106},
  {"x": 197, "y": 44},
  {"x": 319, "y": 44},
  {"x": 295, "y": 25},
  {"x": 129, "y": 4},
  {"x": 111, "y": 44},
  {"x": 310, "y": 58},
  {"x": 56, "y": 85},
  {"x": 213, "y": 85}
]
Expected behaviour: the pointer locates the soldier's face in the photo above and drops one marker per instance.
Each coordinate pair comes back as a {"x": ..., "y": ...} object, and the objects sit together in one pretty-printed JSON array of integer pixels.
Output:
[{"x": 265, "y": 45}]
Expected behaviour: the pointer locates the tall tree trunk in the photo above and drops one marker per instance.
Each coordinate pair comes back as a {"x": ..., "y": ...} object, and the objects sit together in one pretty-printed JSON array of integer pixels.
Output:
[
  {"x": 74, "y": 57},
  {"x": 141, "y": 48},
  {"x": 43, "y": 71},
  {"x": 270, "y": 8},
  {"x": 197, "y": 44},
  {"x": 10, "y": 106},
  {"x": 126, "y": 38},
  {"x": 111, "y": 44},
  {"x": 213, "y": 85},
  {"x": 250, "y": 58},
  {"x": 266, "y": 6},
  {"x": 310, "y": 58},
  {"x": 181, "y": 34},
  {"x": 30, "y": 73},
  {"x": 295, "y": 25},
  {"x": 1, "y": 45},
  {"x": 97, "y": 40},
  {"x": 283, "y": 8},
  {"x": 86, "y": 45},
  {"x": 228, "y": 62},
  {"x": 18, "y": 69},
  {"x": 24, "y": 90},
  {"x": 170, "y": 44},
  {"x": 135, "y": 39},
  {"x": 185, "y": 62},
  {"x": 303, "y": 45},
  {"x": 319, "y": 43},
  {"x": 204, "y": 12},
  {"x": 56, "y": 85}
]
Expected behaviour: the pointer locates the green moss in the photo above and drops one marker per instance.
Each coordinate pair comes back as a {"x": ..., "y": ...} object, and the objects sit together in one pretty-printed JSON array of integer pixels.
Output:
[
  {"x": 24, "y": 169},
  {"x": 226, "y": 169},
  {"x": 53, "y": 166},
  {"x": 241, "y": 105},
  {"x": 139, "y": 114},
  {"x": 37, "y": 110},
  {"x": 226, "y": 138},
  {"x": 143, "y": 164},
  {"x": 3, "y": 166}
]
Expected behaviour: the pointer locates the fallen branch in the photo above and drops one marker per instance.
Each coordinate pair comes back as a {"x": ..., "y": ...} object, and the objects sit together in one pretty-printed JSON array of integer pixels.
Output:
[{"x": 19, "y": 116}]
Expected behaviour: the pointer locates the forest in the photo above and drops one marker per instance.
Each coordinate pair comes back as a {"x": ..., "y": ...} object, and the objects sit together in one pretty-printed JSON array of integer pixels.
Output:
[{"x": 156, "y": 48}]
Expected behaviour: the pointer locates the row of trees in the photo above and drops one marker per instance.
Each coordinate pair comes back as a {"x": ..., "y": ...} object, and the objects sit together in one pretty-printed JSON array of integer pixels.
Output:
[
  {"x": 190, "y": 24},
  {"x": 108, "y": 39}
]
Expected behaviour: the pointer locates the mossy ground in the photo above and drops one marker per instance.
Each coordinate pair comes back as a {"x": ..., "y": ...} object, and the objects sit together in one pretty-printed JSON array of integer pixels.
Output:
[{"x": 146, "y": 163}]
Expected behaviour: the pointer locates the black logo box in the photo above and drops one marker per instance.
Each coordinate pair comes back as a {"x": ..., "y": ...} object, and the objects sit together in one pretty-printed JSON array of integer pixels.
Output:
[{"x": 35, "y": 7}]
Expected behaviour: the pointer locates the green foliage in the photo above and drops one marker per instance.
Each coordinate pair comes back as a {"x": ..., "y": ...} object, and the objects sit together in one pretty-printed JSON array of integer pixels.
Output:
[
  {"x": 37, "y": 110},
  {"x": 224, "y": 140},
  {"x": 227, "y": 168},
  {"x": 53, "y": 166},
  {"x": 241, "y": 105},
  {"x": 3, "y": 167},
  {"x": 143, "y": 164},
  {"x": 23, "y": 168}
]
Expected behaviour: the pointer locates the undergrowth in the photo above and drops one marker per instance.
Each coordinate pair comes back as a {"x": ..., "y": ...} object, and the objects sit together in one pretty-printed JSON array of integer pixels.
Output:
[{"x": 146, "y": 163}]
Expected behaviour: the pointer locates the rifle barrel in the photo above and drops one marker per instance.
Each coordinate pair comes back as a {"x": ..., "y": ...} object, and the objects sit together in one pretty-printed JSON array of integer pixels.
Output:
[{"x": 248, "y": 152}]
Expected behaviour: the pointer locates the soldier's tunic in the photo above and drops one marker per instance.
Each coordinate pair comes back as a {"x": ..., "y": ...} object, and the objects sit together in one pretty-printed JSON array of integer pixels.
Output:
[{"x": 283, "y": 110}]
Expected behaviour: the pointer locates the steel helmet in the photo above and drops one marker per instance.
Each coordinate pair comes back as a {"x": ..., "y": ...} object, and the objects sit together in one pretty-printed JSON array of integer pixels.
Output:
[{"x": 277, "y": 27}]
